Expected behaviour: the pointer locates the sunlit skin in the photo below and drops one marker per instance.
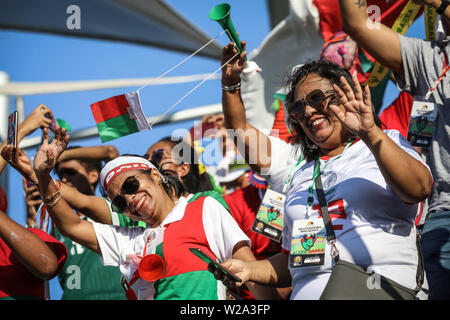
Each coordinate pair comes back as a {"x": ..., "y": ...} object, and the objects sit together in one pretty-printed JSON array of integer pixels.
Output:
[
  {"x": 150, "y": 203},
  {"x": 329, "y": 134}
]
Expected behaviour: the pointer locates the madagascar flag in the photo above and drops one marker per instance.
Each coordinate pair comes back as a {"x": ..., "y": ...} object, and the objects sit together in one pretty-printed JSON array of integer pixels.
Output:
[{"x": 119, "y": 116}]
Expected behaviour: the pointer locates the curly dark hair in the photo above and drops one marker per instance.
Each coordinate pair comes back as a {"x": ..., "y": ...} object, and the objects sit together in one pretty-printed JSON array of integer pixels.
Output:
[{"x": 324, "y": 69}]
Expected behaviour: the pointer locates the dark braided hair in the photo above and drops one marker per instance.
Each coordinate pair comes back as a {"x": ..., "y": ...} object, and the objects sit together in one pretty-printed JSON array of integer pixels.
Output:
[{"x": 324, "y": 69}]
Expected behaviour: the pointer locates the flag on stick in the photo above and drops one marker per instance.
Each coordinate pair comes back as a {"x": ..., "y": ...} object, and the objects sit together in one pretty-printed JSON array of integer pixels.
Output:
[{"x": 119, "y": 116}]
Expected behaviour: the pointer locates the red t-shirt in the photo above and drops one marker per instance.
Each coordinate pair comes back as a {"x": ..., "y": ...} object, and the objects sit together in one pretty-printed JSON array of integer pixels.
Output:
[
  {"x": 244, "y": 204},
  {"x": 15, "y": 279}
]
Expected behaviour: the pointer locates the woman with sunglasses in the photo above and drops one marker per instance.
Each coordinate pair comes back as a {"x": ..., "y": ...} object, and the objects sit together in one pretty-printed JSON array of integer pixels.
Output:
[
  {"x": 373, "y": 181},
  {"x": 142, "y": 193}
]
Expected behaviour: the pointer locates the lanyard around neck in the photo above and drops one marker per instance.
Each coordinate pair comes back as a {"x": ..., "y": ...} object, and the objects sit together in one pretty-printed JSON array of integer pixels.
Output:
[
  {"x": 287, "y": 182},
  {"x": 439, "y": 79},
  {"x": 317, "y": 172}
]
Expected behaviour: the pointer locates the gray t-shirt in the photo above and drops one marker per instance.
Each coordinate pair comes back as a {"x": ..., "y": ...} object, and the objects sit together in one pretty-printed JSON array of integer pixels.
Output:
[{"x": 423, "y": 63}]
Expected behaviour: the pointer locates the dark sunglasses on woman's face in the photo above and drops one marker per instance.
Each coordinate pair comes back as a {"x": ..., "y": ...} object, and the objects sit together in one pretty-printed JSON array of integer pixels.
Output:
[
  {"x": 315, "y": 99},
  {"x": 129, "y": 186}
]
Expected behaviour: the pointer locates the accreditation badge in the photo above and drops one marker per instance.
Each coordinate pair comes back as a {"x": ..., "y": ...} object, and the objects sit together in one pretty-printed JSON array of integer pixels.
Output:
[
  {"x": 309, "y": 242},
  {"x": 421, "y": 124},
  {"x": 270, "y": 216}
]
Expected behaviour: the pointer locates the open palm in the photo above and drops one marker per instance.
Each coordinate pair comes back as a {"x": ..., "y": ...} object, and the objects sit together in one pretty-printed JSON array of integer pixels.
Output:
[
  {"x": 357, "y": 116},
  {"x": 45, "y": 158}
]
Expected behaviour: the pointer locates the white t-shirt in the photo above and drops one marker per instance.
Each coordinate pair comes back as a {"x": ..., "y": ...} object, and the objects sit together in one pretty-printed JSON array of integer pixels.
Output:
[
  {"x": 284, "y": 157},
  {"x": 373, "y": 226},
  {"x": 118, "y": 244}
]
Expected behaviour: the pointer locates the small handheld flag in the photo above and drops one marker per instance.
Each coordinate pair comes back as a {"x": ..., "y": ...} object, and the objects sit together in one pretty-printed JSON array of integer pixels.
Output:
[{"x": 119, "y": 116}]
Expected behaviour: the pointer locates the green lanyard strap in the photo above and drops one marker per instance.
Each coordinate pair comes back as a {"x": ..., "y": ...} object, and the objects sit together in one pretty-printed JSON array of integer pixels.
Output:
[{"x": 317, "y": 172}]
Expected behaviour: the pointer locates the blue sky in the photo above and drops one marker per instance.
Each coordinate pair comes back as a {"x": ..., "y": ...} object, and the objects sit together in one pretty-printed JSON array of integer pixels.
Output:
[{"x": 27, "y": 56}]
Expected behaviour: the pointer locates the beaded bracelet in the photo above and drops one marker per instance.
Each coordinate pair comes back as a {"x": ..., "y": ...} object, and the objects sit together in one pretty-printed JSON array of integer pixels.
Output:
[
  {"x": 231, "y": 88},
  {"x": 50, "y": 198},
  {"x": 54, "y": 202}
]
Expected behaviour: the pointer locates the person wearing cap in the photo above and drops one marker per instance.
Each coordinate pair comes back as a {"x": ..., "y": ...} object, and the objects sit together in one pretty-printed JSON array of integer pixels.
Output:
[
  {"x": 235, "y": 177},
  {"x": 421, "y": 68},
  {"x": 141, "y": 192}
]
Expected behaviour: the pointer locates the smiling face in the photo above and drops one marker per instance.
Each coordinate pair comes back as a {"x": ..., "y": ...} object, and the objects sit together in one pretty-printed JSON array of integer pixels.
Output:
[
  {"x": 149, "y": 203},
  {"x": 318, "y": 123}
]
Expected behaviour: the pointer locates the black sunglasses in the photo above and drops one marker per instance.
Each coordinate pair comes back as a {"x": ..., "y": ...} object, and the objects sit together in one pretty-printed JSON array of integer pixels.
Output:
[
  {"x": 315, "y": 99},
  {"x": 129, "y": 186}
]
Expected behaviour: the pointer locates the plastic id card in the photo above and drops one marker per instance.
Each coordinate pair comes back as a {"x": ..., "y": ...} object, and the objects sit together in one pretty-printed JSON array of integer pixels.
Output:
[
  {"x": 421, "y": 125},
  {"x": 269, "y": 219},
  {"x": 308, "y": 244}
]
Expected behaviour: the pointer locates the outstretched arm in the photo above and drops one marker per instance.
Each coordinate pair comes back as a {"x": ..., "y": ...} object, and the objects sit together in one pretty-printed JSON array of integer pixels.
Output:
[
  {"x": 381, "y": 42},
  {"x": 105, "y": 153},
  {"x": 271, "y": 272},
  {"x": 91, "y": 206},
  {"x": 408, "y": 177},
  {"x": 28, "y": 248},
  {"x": 66, "y": 220},
  {"x": 252, "y": 143}
]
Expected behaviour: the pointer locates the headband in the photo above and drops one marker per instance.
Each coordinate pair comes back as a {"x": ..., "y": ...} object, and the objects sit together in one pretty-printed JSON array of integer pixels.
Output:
[{"x": 123, "y": 164}]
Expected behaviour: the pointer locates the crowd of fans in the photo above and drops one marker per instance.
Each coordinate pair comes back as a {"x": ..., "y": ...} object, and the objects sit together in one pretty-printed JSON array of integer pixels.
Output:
[{"x": 134, "y": 241}]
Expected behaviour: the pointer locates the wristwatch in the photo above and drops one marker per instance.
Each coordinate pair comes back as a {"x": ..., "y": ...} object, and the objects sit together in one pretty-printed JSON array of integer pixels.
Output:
[{"x": 443, "y": 6}]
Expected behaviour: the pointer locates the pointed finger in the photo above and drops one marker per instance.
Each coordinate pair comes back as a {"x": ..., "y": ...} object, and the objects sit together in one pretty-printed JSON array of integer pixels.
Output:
[
  {"x": 358, "y": 89},
  {"x": 58, "y": 133},
  {"x": 367, "y": 96},
  {"x": 45, "y": 140},
  {"x": 347, "y": 89},
  {"x": 337, "y": 112},
  {"x": 341, "y": 94},
  {"x": 63, "y": 134}
]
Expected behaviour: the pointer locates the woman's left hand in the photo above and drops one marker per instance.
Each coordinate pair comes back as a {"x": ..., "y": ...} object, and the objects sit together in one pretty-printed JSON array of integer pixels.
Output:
[{"x": 357, "y": 114}]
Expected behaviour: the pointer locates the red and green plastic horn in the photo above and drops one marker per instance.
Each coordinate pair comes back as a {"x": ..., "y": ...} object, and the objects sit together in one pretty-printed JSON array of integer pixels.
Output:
[{"x": 221, "y": 14}]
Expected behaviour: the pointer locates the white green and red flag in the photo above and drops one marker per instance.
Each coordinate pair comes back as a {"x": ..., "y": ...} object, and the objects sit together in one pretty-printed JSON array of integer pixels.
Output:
[{"x": 119, "y": 116}]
